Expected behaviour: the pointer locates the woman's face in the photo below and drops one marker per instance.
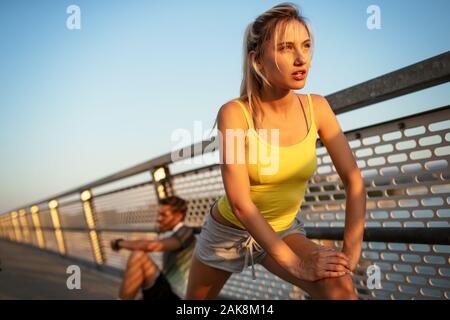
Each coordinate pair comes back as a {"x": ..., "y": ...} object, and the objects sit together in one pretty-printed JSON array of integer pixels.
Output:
[{"x": 293, "y": 55}]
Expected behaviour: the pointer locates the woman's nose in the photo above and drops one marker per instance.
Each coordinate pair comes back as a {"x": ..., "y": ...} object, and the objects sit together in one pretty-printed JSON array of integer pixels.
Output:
[{"x": 300, "y": 57}]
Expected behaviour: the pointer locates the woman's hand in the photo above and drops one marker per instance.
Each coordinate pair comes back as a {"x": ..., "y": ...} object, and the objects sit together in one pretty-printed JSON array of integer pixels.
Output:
[{"x": 322, "y": 262}]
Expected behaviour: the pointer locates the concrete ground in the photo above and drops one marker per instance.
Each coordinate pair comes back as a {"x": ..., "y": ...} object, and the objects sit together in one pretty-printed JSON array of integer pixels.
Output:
[{"x": 28, "y": 274}]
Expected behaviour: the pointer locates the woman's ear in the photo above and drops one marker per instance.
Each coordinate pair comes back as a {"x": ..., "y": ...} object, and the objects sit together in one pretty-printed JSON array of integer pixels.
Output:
[{"x": 252, "y": 57}]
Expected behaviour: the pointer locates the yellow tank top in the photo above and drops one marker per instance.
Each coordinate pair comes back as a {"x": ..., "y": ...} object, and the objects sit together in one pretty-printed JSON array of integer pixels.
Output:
[{"x": 278, "y": 175}]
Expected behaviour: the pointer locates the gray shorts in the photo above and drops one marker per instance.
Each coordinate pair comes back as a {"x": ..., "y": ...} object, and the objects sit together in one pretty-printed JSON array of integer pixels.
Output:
[{"x": 230, "y": 249}]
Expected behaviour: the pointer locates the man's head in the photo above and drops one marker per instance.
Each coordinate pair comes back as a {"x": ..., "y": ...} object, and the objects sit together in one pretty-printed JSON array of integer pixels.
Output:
[{"x": 171, "y": 211}]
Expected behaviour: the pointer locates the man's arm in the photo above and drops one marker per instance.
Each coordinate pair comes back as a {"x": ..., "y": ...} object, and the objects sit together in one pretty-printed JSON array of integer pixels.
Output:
[
  {"x": 169, "y": 243},
  {"x": 180, "y": 239}
]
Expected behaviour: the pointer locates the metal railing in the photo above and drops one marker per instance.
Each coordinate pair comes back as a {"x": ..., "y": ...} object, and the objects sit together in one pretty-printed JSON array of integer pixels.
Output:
[{"x": 404, "y": 162}]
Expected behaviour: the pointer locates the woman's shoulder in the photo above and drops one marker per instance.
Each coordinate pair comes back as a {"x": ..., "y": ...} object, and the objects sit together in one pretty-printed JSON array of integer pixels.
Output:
[
  {"x": 233, "y": 114},
  {"x": 236, "y": 102},
  {"x": 319, "y": 102},
  {"x": 314, "y": 97}
]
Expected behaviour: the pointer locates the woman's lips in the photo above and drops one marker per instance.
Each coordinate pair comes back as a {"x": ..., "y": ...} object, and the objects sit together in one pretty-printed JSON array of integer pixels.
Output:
[{"x": 299, "y": 75}]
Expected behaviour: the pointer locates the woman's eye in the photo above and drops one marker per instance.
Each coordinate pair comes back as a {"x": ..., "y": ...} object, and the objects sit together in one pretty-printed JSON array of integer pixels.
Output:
[
  {"x": 287, "y": 46},
  {"x": 290, "y": 46}
]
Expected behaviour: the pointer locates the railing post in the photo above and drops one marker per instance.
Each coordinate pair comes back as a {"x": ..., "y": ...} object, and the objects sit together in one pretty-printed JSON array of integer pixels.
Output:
[
  {"x": 37, "y": 226},
  {"x": 11, "y": 230},
  {"x": 91, "y": 221},
  {"x": 24, "y": 224},
  {"x": 54, "y": 214},
  {"x": 15, "y": 225},
  {"x": 2, "y": 227},
  {"x": 162, "y": 182},
  {"x": 8, "y": 226}
]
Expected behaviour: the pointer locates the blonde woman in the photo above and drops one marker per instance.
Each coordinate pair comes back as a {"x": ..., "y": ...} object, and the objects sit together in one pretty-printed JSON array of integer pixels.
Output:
[{"x": 256, "y": 220}]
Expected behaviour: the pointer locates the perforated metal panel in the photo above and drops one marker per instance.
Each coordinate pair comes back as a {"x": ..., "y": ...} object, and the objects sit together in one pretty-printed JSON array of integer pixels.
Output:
[
  {"x": 134, "y": 206},
  {"x": 78, "y": 245},
  {"x": 200, "y": 188},
  {"x": 49, "y": 234},
  {"x": 413, "y": 271},
  {"x": 33, "y": 239},
  {"x": 405, "y": 170},
  {"x": 72, "y": 215}
]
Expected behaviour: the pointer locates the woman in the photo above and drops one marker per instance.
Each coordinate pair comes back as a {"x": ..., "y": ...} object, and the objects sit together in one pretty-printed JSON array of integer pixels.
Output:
[{"x": 255, "y": 221}]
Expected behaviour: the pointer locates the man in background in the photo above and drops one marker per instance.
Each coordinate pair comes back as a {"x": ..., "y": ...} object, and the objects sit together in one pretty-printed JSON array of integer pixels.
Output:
[{"x": 177, "y": 244}]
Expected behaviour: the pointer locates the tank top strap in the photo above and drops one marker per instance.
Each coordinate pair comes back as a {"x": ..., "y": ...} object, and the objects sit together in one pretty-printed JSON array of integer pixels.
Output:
[
  {"x": 247, "y": 116},
  {"x": 311, "y": 109}
]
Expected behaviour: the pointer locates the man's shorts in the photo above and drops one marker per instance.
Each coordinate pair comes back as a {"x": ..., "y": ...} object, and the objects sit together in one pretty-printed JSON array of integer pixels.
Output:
[{"x": 161, "y": 290}]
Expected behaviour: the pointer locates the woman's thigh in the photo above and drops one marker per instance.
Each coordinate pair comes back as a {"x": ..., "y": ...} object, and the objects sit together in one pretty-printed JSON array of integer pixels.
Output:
[
  {"x": 328, "y": 288},
  {"x": 205, "y": 282}
]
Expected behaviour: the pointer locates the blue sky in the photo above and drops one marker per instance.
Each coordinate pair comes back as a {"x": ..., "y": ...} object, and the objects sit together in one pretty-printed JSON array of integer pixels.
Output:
[{"x": 76, "y": 105}]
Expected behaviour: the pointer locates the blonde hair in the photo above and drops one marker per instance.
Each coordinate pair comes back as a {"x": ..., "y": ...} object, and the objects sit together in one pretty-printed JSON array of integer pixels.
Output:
[{"x": 257, "y": 33}]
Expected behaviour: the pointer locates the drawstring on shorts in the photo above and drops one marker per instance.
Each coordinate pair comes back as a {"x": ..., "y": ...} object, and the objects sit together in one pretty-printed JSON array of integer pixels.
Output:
[{"x": 248, "y": 244}]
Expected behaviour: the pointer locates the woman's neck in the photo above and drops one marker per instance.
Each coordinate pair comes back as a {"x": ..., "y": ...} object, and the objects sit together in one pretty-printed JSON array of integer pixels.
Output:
[{"x": 277, "y": 101}]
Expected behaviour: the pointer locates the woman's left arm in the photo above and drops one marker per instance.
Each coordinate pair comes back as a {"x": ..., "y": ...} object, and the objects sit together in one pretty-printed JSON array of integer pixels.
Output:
[{"x": 341, "y": 154}]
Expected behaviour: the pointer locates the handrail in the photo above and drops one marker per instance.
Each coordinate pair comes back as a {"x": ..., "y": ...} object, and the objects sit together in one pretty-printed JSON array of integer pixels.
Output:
[
  {"x": 421, "y": 75},
  {"x": 421, "y": 235}
]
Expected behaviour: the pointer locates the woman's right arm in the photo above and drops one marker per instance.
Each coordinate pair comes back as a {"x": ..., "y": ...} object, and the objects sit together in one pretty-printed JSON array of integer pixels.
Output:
[{"x": 237, "y": 187}]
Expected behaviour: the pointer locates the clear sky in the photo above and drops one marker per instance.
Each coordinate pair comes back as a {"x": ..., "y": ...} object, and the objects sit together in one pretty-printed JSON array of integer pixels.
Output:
[{"x": 77, "y": 105}]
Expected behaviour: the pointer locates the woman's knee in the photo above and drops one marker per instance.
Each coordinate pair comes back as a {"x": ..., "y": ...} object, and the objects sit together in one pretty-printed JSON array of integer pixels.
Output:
[
  {"x": 342, "y": 294},
  {"x": 204, "y": 282}
]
